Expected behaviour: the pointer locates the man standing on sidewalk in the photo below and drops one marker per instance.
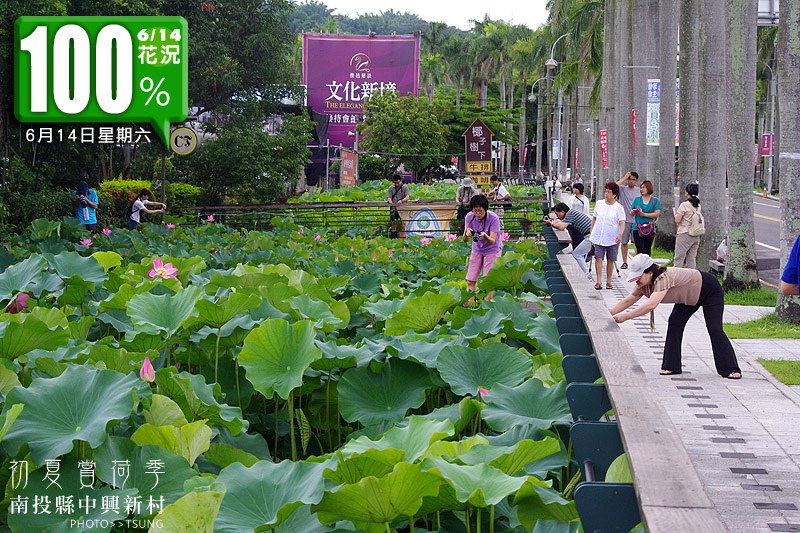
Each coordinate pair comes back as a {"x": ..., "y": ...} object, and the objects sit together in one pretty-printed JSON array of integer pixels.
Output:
[
  {"x": 579, "y": 227},
  {"x": 791, "y": 273},
  {"x": 628, "y": 191}
]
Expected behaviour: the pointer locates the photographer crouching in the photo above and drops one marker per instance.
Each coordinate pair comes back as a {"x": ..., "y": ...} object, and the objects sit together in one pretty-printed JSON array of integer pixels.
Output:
[
  {"x": 483, "y": 228},
  {"x": 579, "y": 227},
  {"x": 86, "y": 204}
]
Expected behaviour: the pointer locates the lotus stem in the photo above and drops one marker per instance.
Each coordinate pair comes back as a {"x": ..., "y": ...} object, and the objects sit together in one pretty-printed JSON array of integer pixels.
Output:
[
  {"x": 291, "y": 426},
  {"x": 388, "y": 529},
  {"x": 466, "y": 519},
  {"x": 478, "y": 521},
  {"x": 571, "y": 485},
  {"x": 438, "y": 521},
  {"x": 238, "y": 392},
  {"x": 411, "y": 524},
  {"x": 216, "y": 357},
  {"x": 328, "y": 411},
  {"x": 491, "y": 519},
  {"x": 276, "y": 425}
]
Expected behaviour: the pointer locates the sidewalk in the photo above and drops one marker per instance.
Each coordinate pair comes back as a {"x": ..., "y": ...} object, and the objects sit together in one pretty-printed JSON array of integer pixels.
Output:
[{"x": 742, "y": 435}]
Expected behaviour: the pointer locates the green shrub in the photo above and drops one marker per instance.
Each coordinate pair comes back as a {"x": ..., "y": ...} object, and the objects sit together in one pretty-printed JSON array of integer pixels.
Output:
[
  {"x": 116, "y": 195},
  {"x": 183, "y": 195},
  {"x": 24, "y": 207}
]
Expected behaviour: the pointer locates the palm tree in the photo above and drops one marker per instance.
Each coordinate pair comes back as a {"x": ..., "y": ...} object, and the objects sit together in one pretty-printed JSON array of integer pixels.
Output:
[
  {"x": 668, "y": 44},
  {"x": 689, "y": 72},
  {"x": 457, "y": 62},
  {"x": 711, "y": 152},
  {"x": 740, "y": 268},
  {"x": 788, "y": 308},
  {"x": 432, "y": 72},
  {"x": 608, "y": 115}
]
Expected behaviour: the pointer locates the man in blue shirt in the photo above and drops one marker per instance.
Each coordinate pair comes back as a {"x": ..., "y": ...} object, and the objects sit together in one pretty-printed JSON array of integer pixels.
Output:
[
  {"x": 791, "y": 273},
  {"x": 86, "y": 209}
]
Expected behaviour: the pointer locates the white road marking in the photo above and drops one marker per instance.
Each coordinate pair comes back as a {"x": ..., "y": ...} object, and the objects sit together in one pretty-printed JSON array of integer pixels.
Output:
[
  {"x": 767, "y": 246},
  {"x": 767, "y": 205}
]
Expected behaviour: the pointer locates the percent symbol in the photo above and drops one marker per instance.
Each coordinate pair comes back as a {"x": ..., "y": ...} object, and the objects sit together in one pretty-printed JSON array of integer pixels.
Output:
[{"x": 149, "y": 86}]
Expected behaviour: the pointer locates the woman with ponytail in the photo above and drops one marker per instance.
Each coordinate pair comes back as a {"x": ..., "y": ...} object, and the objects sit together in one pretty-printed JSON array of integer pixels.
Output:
[{"x": 686, "y": 245}]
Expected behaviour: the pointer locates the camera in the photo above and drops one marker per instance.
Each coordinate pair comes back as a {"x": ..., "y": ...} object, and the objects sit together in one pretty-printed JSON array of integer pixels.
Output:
[{"x": 476, "y": 238}]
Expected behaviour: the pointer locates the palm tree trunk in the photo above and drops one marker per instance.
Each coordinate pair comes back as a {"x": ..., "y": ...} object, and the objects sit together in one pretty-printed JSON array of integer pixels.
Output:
[
  {"x": 522, "y": 127},
  {"x": 565, "y": 113},
  {"x": 788, "y": 308},
  {"x": 626, "y": 156},
  {"x": 689, "y": 36},
  {"x": 668, "y": 42},
  {"x": 501, "y": 148},
  {"x": 510, "y": 125},
  {"x": 711, "y": 153},
  {"x": 458, "y": 92},
  {"x": 740, "y": 268},
  {"x": 540, "y": 112},
  {"x": 607, "y": 97},
  {"x": 574, "y": 133},
  {"x": 645, "y": 53}
]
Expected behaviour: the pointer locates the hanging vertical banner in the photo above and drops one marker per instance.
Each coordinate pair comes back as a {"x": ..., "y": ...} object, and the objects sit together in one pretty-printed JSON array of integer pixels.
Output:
[
  {"x": 654, "y": 111},
  {"x": 604, "y": 148},
  {"x": 767, "y": 144},
  {"x": 576, "y": 159},
  {"x": 349, "y": 168},
  {"x": 633, "y": 127}
]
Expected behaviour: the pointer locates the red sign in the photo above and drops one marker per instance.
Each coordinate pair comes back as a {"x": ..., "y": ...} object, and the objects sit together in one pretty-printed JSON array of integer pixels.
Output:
[
  {"x": 767, "y": 144},
  {"x": 576, "y": 157},
  {"x": 756, "y": 153},
  {"x": 604, "y": 148},
  {"x": 349, "y": 171},
  {"x": 633, "y": 127}
]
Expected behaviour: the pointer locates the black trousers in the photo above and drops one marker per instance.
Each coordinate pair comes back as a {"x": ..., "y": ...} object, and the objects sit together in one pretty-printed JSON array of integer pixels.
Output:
[
  {"x": 644, "y": 245},
  {"x": 712, "y": 301}
]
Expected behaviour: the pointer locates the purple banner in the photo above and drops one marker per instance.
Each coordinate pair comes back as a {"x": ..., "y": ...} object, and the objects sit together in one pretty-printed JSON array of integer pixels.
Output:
[{"x": 341, "y": 71}]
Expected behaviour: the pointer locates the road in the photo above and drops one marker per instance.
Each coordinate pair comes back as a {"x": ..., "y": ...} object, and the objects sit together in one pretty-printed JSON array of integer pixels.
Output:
[{"x": 767, "y": 221}]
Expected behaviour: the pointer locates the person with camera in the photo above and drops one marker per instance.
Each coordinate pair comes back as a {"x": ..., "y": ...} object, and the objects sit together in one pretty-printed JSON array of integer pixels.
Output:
[
  {"x": 87, "y": 203},
  {"x": 482, "y": 227},
  {"x": 579, "y": 227},
  {"x": 464, "y": 195},
  {"x": 500, "y": 197},
  {"x": 140, "y": 206},
  {"x": 397, "y": 194}
]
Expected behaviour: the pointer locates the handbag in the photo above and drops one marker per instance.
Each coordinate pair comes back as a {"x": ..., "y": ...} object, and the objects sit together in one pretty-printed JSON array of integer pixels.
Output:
[{"x": 646, "y": 229}]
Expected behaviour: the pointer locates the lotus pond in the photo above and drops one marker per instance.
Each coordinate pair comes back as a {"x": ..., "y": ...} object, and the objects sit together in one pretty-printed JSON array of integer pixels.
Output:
[{"x": 204, "y": 379}]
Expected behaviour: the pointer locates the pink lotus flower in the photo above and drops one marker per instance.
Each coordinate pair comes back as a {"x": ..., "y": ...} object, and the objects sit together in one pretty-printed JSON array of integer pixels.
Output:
[
  {"x": 210, "y": 218},
  {"x": 18, "y": 304},
  {"x": 391, "y": 253},
  {"x": 106, "y": 231},
  {"x": 452, "y": 237},
  {"x": 161, "y": 270},
  {"x": 404, "y": 249},
  {"x": 317, "y": 237},
  {"x": 336, "y": 258},
  {"x": 147, "y": 373},
  {"x": 300, "y": 231},
  {"x": 374, "y": 257},
  {"x": 170, "y": 226},
  {"x": 504, "y": 236},
  {"x": 482, "y": 391},
  {"x": 86, "y": 241},
  {"x": 425, "y": 241}
]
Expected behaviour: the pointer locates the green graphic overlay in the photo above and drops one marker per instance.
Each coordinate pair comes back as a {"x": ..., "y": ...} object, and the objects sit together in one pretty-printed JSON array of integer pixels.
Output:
[{"x": 102, "y": 69}]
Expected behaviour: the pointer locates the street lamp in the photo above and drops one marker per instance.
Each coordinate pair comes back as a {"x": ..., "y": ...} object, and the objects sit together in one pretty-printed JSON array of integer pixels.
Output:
[
  {"x": 551, "y": 64},
  {"x": 587, "y": 130},
  {"x": 531, "y": 97},
  {"x": 771, "y": 127}
]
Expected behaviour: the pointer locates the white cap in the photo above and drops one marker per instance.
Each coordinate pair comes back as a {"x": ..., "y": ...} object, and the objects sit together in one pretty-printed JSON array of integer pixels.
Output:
[
  {"x": 467, "y": 182},
  {"x": 638, "y": 265}
]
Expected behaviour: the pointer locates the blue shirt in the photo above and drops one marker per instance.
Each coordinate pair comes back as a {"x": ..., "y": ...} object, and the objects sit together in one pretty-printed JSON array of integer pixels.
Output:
[
  {"x": 791, "y": 274},
  {"x": 87, "y": 215},
  {"x": 650, "y": 207}
]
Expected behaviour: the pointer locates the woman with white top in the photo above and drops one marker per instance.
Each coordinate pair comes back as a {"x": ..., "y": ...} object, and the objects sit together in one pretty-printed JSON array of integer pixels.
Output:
[
  {"x": 608, "y": 224},
  {"x": 578, "y": 201},
  {"x": 685, "y": 245}
]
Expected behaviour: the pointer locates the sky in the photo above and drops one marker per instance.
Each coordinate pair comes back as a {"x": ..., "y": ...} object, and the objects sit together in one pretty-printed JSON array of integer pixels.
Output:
[{"x": 458, "y": 13}]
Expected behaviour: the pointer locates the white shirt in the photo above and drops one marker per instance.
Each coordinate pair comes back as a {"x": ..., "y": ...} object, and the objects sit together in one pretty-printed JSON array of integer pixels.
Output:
[
  {"x": 500, "y": 192},
  {"x": 606, "y": 226},
  {"x": 581, "y": 204}
]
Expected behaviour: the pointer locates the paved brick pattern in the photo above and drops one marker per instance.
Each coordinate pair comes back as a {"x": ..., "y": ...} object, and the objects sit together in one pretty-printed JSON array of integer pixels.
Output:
[{"x": 742, "y": 435}]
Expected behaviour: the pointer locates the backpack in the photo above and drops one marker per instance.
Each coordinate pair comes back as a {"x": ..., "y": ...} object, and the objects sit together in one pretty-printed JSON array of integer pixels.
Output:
[
  {"x": 129, "y": 211},
  {"x": 697, "y": 225}
]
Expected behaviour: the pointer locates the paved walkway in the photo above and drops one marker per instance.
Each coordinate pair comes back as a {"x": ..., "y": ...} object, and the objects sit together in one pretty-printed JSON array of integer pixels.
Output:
[{"x": 743, "y": 436}]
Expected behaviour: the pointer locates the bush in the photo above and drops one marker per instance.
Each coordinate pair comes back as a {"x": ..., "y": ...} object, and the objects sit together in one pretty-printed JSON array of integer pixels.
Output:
[
  {"x": 117, "y": 195},
  {"x": 24, "y": 207}
]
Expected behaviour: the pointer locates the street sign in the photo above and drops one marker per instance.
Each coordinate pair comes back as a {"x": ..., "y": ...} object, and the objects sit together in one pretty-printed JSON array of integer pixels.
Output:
[
  {"x": 183, "y": 140},
  {"x": 349, "y": 170},
  {"x": 767, "y": 144},
  {"x": 604, "y": 148},
  {"x": 478, "y": 148}
]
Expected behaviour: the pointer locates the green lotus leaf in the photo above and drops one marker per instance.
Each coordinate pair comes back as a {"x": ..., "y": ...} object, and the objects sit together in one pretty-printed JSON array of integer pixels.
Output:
[
  {"x": 266, "y": 493},
  {"x": 316, "y": 310},
  {"x": 197, "y": 399},
  {"x": 479, "y": 485},
  {"x": 453, "y": 449},
  {"x": 466, "y": 369},
  {"x": 302, "y": 520},
  {"x": 224, "y": 455},
  {"x": 167, "y": 313},
  {"x": 512, "y": 459},
  {"x": 537, "y": 501},
  {"x": 82, "y": 519},
  {"x": 334, "y": 284},
  {"x": 414, "y": 439},
  {"x": 277, "y": 353},
  {"x": 194, "y": 512},
  {"x": 164, "y": 412},
  {"x": 370, "y": 397},
  {"x": 108, "y": 260},
  {"x": 420, "y": 314},
  {"x": 49, "y": 282},
  {"x": 73, "y": 265},
  {"x": 76, "y": 406},
  {"x": 506, "y": 273},
  {"x": 486, "y": 324},
  {"x": 79, "y": 329},
  {"x": 217, "y": 314},
  {"x": 530, "y": 404},
  {"x": 167, "y": 480},
  {"x": 19, "y": 276},
  {"x": 460, "y": 414},
  {"x": 380, "y": 500},
  {"x": 53, "y": 317},
  {"x": 342, "y": 356},
  {"x": 376, "y": 463},
  {"x": 8, "y": 380},
  {"x": 516, "y": 316},
  {"x": 122, "y": 295},
  {"x": 367, "y": 284},
  {"x": 19, "y": 338},
  {"x": 187, "y": 441},
  {"x": 118, "y": 359},
  {"x": 555, "y": 526},
  {"x": 619, "y": 471},
  {"x": 543, "y": 330},
  {"x": 382, "y": 309},
  {"x": 413, "y": 347}
]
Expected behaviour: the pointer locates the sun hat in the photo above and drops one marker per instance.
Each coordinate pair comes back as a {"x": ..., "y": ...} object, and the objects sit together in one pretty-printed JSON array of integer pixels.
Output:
[
  {"x": 467, "y": 182},
  {"x": 638, "y": 265}
]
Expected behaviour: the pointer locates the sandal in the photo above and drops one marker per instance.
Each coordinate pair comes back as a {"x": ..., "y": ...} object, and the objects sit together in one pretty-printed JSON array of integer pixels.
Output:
[
  {"x": 609, "y": 286},
  {"x": 623, "y": 266},
  {"x": 734, "y": 375},
  {"x": 597, "y": 286},
  {"x": 667, "y": 372}
]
